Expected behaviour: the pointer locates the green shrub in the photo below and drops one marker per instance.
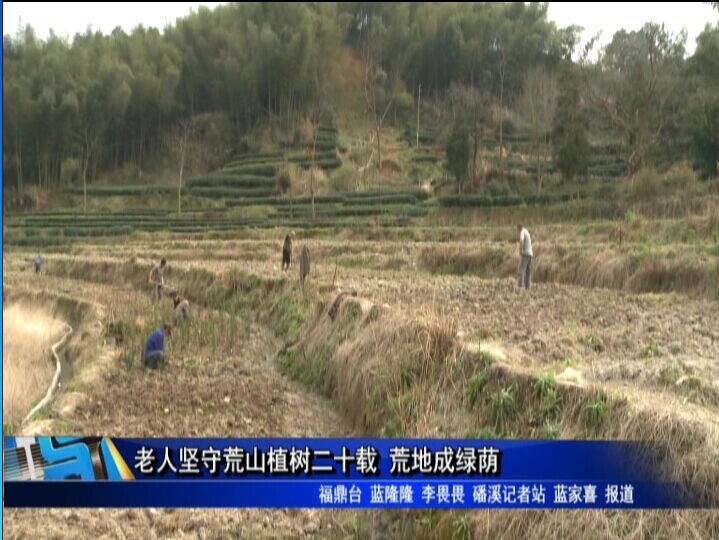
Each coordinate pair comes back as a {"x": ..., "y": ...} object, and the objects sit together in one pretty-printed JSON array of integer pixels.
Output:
[
  {"x": 260, "y": 169},
  {"x": 115, "y": 191},
  {"x": 387, "y": 199},
  {"x": 550, "y": 430},
  {"x": 650, "y": 351},
  {"x": 595, "y": 343},
  {"x": 594, "y": 411},
  {"x": 680, "y": 176},
  {"x": 220, "y": 179},
  {"x": 475, "y": 386},
  {"x": 501, "y": 407},
  {"x": 499, "y": 189},
  {"x": 542, "y": 384},
  {"x": 485, "y": 359},
  {"x": 646, "y": 184},
  {"x": 220, "y": 192}
]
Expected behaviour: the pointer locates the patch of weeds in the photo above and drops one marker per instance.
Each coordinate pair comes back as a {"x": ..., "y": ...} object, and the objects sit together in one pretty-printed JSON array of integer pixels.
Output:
[
  {"x": 594, "y": 411},
  {"x": 475, "y": 386},
  {"x": 372, "y": 315},
  {"x": 475, "y": 337},
  {"x": 671, "y": 254},
  {"x": 542, "y": 383},
  {"x": 45, "y": 413},
  {"x": 595, "y": 343},
  {"x": 358, "y": 526},
  {"x": 84, "y": 336},
  {"x": 191, "y": 364},
  {"x": 550, "y": 430},
  {"x": 650, "y": 351},
  {"x": 290, "y": 313},
  {"x": 251, "y": 283},
  {"x": 550, "y": 402},
  {"x": 359, "y": 261},
  {"x": 428, "y": 519},
  {"x": 127, "y": 357},
  {"x": 353, "y": 311},
  {"x": 675, "y": 349},
  {"x": 487, "y": 432},
  {"x": 394, "y": 263},
  {"x": 485, "y": 359},
  {"x": 570, "y": 362},
  {"x": 462, "y": 527},
  {"x": 62, "y": 427},
  {"x": 408, "y": 371},
  {"x": 322, "y": 358},
  {"x": 582, "y": 230},
  {"x": 668, "y": 374},
  {"x": 8, "y": 428},
  {"x": 502, "y": 407},
  {"x": 289, "y": 364}
]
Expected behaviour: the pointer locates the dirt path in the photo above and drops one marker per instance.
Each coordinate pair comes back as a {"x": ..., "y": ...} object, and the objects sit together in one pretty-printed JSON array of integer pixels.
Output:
[{"x": 197, "y": 394}]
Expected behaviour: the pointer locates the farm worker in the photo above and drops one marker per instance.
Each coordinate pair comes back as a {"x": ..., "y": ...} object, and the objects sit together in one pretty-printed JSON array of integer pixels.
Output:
[
  {"x": 38, "y": 263},
  {"x": 154, "y": 353},
  {"x": 304, "y": 264},
  {"x": 287, "y": 252},
  {"x": 181, "y": 306},
  {"x": 524, "y": 276},
  {"x": 157, "y": 279}
]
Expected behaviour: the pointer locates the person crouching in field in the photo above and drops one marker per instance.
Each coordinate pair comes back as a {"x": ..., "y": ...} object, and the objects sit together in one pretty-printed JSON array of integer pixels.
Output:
[
  {"x": 181, "y": 306},
  {"x": 157, "y": 280},
  {"x": 524, "y": 273},
  {"x": 287, "y": 253},
  {"x": 153, "y": 355}
]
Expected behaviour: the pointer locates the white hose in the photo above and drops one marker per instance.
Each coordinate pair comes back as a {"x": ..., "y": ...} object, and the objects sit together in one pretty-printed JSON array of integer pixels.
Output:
[{"x": 50, "y": 391}]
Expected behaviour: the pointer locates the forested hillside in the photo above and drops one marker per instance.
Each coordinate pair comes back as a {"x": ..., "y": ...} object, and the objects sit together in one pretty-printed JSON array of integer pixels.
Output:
[{"x": 479, "y": 81}]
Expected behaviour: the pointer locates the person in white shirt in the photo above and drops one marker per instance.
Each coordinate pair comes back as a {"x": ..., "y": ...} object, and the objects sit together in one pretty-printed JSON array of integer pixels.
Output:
[{"x": 524, "y": 274}]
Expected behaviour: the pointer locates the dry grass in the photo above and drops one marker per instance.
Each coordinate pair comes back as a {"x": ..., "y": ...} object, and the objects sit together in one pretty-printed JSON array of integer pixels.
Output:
[
  {"x": 28, "y": 367},
  {"x": 391, "y": 375},
  {"x": 638, "y": 270}
]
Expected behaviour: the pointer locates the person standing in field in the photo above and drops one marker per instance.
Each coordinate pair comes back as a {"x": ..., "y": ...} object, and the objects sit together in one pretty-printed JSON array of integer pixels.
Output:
[
  {"x": 287, "y": 253},
  {"x": 153, "y": 355},
  {"x": 38, "y": 263},
  {"x": 524, "y": 274},
  {"x": 157, "y": 279},
  {"x": 304, "y": 264}
]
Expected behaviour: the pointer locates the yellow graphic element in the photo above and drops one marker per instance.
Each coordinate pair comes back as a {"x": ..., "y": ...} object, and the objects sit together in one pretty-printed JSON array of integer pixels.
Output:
[{"x": 123, "y": 469}]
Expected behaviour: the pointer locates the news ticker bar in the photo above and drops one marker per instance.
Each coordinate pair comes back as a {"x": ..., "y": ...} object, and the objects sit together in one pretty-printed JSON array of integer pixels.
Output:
[
  {"x": 323, "y": 494},
  {"x": 346, "y": 473}
]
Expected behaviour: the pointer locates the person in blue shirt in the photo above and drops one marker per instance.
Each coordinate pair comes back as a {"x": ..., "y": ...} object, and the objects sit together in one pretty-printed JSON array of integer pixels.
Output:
[{"x": 153, "y": 354}]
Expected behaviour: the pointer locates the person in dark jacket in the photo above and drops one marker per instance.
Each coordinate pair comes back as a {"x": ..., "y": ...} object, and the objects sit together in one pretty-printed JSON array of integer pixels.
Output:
[
  {"x": 153, "y": 355},
  {"x": 287, "y": 253}
]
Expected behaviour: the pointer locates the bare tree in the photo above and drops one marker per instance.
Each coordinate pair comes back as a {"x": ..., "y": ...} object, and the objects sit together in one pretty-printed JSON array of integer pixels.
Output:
[
  {"x": 178, "y": 142},
  {"x": 373, "y": 90},
  {"x": 538, "y": 103},
  {"x": 502, "y": 72},
  {"x": 89, "y": 138},
  {"x": 632, "y": 82},
  {"x": 315, "y": 118}
]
